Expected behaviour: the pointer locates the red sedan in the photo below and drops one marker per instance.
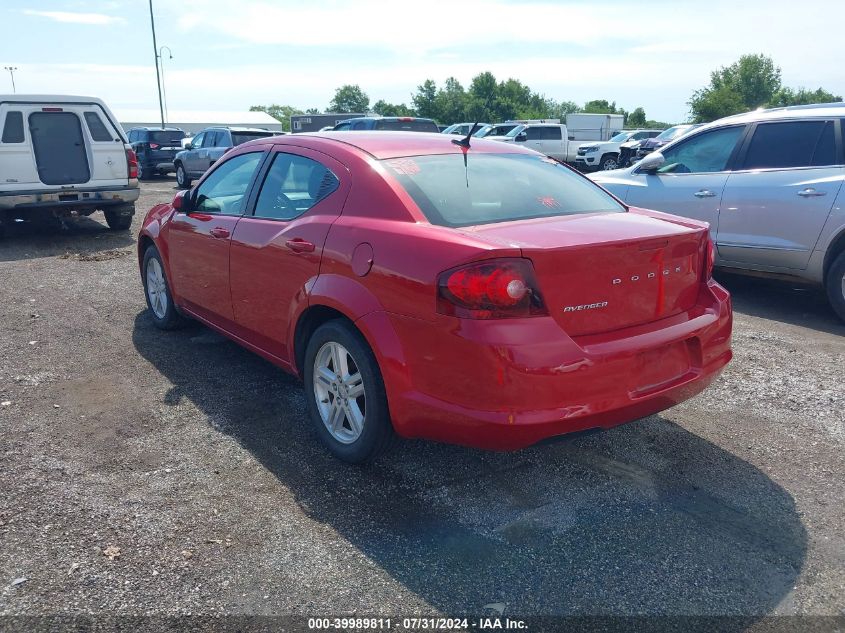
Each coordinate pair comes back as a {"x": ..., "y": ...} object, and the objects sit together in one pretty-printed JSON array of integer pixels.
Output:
[{"x": 484, "y": 295}]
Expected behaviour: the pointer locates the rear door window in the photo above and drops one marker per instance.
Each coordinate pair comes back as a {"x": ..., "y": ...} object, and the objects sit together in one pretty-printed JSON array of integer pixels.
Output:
[
  {"x": 13, "y": 128},
  {"x": 99, "y": 131},
  {"x": 790, "y": 144},
  {"x": 293, "y": 185},
  {"x": 211, "y": 139}
]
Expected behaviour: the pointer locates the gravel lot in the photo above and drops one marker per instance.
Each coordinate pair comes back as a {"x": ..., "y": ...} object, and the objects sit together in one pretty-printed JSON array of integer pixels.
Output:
[{"x": 191, "y": 462}]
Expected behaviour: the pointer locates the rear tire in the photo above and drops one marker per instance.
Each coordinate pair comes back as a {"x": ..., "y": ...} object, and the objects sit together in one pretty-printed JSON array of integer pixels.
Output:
[
  {"x": 157, "y": 292},
  {"x": 182, "y": 179},
  {"x": 347, "y": 402},
  {"x": 120, "y": 218},
  {"x": 835, "y": 285}
]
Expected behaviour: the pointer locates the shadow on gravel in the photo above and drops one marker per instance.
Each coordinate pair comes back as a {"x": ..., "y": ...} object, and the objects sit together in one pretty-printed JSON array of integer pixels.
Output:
[
  {"x": 783, "y": 301},
  {"x": 644, "y": 519},
  {"x": 50, "y": 238}
]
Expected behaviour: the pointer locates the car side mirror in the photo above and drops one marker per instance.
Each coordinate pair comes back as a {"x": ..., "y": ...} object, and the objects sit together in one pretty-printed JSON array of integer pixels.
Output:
[
  {"x": 189, "y": 145},
  {"x": 651, "y": 162},
  {"x": 521, "y": 137},
  {"x": 182, "y": 201}
]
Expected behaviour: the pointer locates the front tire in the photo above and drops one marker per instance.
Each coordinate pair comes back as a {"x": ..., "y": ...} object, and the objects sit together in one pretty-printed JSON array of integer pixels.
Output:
[
  {"x": 835, "y": 285},
  {"x": 157, "y": 292},
  {"x": 182, "y": 179},
  {"x": 345, "y": 393},
  {"x": 608, "y": 162},
  {"x": 120, "y": 218}
]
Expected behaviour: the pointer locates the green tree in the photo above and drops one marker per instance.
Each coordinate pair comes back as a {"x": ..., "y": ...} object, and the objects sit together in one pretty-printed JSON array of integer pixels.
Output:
[
  {"x": 788, "y": 97},
  {"x": 350, "y": 98},
  {"x": 451, "y": 102},
  {"x": 710, "y": 104},
  {"x": 636, "y": 118},
  {"x": 560, "y": 110},
  {"x": 384, "y": 108},
  {"x": 425, "y": 100},
  {"x": 281, "y": 113},
  {"x": 750, "y": 82},
  {"x": 600, "y": 106}
]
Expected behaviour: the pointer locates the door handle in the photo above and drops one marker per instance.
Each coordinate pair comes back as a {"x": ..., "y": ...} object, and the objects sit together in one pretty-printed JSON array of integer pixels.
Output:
[
  {"x": 809, "y": 192},
  {"x": 298, "y": 245},
  {"x": 219, "y": 232},
  {"x": 704, "y": 193}
]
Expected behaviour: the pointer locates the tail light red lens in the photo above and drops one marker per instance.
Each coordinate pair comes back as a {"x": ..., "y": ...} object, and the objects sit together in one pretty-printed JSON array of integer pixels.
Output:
[
  {"x": 154, "y": 145},
  {"x": 132, "y": 163},
  {"x": 493, "y": 289},
  {"x": 709, "y": 259}
]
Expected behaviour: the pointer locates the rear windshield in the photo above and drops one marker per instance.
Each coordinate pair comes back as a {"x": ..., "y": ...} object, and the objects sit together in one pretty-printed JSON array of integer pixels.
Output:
[
  {"x": 415, "y": 125},
  {"x": 167, "y": 137},
  {"x": 243, "y": 137},
  {"x": 496, "y": 188}
]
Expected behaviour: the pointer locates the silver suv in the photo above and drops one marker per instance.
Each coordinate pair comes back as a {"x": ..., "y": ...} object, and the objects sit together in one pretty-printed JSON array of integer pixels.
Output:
[
  {"x": 769, "y": 183},
  {"x": 208, "y": 146}
]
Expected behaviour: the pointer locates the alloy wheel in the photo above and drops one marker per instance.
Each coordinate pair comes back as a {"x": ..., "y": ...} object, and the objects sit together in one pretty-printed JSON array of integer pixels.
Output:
[
  {"x": 156, "y": 288},
  {"x": 339, "y": 391}
]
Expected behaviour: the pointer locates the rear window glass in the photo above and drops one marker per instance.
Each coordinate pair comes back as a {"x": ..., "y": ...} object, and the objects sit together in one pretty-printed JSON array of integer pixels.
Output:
[
  {"x": 13, "y": 128},
  {"x": 496, "y": 188},
  {"x": 415, "y": 125},
  {"x": 243, "y": 137},
  {"x": 791, "y": 144},
  {"x": 98, "y": 130},
  {"x": 167, "y": 137}
]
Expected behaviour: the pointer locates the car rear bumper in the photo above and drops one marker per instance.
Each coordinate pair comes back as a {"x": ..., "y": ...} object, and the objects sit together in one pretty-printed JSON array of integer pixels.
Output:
[
  {"x": 506, "y": 385},
  {"x": 76, "y": 198}
]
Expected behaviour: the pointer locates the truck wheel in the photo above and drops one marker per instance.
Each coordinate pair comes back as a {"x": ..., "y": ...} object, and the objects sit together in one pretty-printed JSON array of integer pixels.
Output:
[
  {"x": 120, "y": 218},
  {"x": 609, "y": 161},
  {"x": 182, "y": 179},
  {"x": 835, "y": 284},
  {"x": 157, "y": 292},
  {"x": 345, "y": 395}
]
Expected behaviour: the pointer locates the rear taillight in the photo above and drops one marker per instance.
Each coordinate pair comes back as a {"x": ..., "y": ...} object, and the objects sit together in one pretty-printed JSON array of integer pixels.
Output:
[
  {"x": 154, "y": 145},
  {"x": 493, "y": 289},
  {"x": 709, "y": 259},
  {"x": 132, "y": 163}
]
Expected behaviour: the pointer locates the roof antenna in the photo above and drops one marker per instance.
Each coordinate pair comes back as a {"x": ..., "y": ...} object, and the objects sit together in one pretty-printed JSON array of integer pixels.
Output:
[{"x": 464, "y": 142}]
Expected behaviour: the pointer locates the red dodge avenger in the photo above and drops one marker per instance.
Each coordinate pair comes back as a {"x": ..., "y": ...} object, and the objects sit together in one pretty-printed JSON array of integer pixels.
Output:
[{"x": 472, "y": 292}]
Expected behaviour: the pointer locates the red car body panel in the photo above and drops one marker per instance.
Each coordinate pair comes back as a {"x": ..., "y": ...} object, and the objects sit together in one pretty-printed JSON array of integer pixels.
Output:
[{"x": 497, "y": 383}]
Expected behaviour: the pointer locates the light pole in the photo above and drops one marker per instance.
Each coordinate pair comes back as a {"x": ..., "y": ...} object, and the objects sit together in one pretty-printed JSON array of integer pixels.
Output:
[
  {"x": 155, "y": 55},
  {"x": 11, "y": 70},
  {"x": 163, "y": 84}
]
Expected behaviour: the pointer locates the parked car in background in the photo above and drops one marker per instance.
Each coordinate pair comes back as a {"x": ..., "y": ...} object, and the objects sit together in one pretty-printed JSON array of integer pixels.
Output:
[
  {"x": 388, "y": 123},
  {"x": 485, "y": 296},
  {"x": 155, "y": 148},
  {"x": 208, "y": 146},
  {"x": 462, "y": 129},
  {"x": 665, "y": 137},
  {"x": 547, "y": 138},
  {"x": 605, "y": 155},
  {"x": 768, "y": 182},
  {"x": 498, "y": 129},
  {"x": 64, "y": 156}
]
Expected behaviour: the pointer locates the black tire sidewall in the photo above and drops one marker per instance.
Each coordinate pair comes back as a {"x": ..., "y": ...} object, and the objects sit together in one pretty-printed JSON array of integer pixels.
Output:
[
  {"x": 184, "y": 182},
  {"x": 834, "y": 285},
  {"x": 171, "y": 319},
  {"x": 378, "y": 430}
]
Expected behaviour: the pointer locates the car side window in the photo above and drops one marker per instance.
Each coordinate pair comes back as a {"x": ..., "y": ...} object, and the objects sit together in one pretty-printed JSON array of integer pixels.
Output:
[
  {"x": 225, "y": 188},
  {"x": 13, "y": 128},
  {"x": 210, "y": 139},
  {"x": 342, "y": 126},
  {"x": 293, "y": 185},
  {"x": 703, "y": 153},
  {"x": 198, "y": 140},
  {"x": 359, "y": 125},
  {"x": 787, "y": 144},
  {"x": 97, "y": 128},
  {"x": 533, "y": 134}
]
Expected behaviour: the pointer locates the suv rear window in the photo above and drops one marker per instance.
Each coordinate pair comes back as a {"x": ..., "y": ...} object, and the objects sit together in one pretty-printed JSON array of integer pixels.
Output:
[
  {"x": 167, "y": 137},
  {"x": 415, "y": 125},
  {"x": 13, "y": 128},
  {"x": 791, "y": 144},
  {"x": 243, "y": 137},
  {"x": 496, "y": 188}
]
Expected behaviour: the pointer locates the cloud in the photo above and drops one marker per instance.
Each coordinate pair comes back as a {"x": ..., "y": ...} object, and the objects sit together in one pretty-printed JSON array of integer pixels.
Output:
[{"x": 97, "y": 19}]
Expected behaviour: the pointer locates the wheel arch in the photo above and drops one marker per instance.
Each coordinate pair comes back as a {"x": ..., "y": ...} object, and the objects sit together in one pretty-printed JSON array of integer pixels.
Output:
[{"x": 834, "y": 249}]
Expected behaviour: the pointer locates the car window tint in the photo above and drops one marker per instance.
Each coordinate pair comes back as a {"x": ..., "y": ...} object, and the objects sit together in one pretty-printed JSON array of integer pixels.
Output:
[
  {"x": 706, "y": 152},
  {"x": 13, "y": 128},
  {"x": 783, "y": 145},
  {"x": 825, "y": 153},
  {"x": 225, "y": 188},
  {"x": 211, "y": 139},
  {"x": 293, "y": 185},
  {"x": 357, "y": 125},
  {"x": 342, "y": 126},
  {"x": 533, "y": 134},
  {"x": 198, "y": 140},
  {"x": 97, "y": 128}
]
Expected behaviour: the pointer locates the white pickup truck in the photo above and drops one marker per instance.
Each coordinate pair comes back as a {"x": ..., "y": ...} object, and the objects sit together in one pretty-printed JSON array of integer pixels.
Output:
[
  {"x": 550, "y": 139},
  {"x": 605, "y": 156}
]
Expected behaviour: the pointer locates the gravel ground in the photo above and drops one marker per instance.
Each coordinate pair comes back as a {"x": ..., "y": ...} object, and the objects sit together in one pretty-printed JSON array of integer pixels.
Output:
[{"x": 150, "y": 473}]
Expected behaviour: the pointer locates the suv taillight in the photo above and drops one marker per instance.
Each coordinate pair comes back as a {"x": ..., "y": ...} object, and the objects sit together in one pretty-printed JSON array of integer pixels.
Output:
[
  {"x": 709, "y": 259},
  {"x": 492, "y": 289},
  {"x": 132, "y": 163},
  {"x": 154, "y": 145}
]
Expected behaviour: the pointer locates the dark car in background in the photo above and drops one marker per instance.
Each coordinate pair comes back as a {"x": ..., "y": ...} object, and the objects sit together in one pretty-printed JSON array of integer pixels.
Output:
[
  {"x": 155, "y": 148},
  {"x": 390, "y": 123},
  {"x": 670, "y": 134},
  {"x": 208, "y": 146}
]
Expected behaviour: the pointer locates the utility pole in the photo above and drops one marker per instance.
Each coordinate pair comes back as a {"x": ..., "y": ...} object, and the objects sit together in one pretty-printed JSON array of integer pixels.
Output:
[
  {"x": 163, "y": 82},
  {"x": 155, "y": 55},
  {"x": 12, "y": 70}
]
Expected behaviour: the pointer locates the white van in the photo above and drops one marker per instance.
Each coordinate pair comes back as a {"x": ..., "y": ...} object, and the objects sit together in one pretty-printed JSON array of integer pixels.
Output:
[{"x": 63, "y": 156}]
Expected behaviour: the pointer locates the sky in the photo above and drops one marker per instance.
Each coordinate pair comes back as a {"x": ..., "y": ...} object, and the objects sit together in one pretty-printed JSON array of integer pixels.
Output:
[{"x": 231, "y": 54}]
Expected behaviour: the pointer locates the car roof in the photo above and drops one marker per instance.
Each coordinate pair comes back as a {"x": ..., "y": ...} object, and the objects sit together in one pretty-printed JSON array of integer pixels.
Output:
[
  {"x": 42, "y": 98},
  {"x": 389, "y": 144},
  {"x": 156, "y": 129},
  {"x": 238, "y": 129},
  {"x": 387, "y": 118},
  {"x": 816, "y": 110}
]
